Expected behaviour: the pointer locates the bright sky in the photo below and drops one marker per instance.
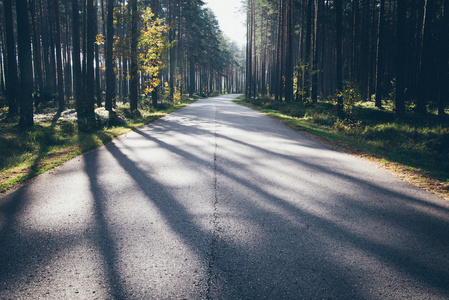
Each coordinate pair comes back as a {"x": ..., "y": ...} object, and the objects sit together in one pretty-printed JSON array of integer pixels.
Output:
[{"x": 231, "y": 18}]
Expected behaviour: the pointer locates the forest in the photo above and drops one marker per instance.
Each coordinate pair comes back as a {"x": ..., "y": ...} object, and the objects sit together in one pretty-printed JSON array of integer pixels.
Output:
[
  {"x": 369, "y": 77},
  {"x": 372, "y": 74},
  {"x": 302, "y": 50},
  {"x": 86, "y": 54}
]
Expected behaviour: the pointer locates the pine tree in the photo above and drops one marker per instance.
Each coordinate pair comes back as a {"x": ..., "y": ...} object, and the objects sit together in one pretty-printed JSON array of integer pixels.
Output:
[{"x": 25, "y": 64}]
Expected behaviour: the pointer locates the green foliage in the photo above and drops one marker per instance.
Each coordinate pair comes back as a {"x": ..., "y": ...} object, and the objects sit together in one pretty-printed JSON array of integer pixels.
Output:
[
  {"x": 298, "y": 78},
  {"x": 24, "y": 155},
  {"x": 164, "y": 105},
  {"x": 351, "y": 95},
  {"x": 67, "y": 127},
  {"x": 177, "y": 99}
]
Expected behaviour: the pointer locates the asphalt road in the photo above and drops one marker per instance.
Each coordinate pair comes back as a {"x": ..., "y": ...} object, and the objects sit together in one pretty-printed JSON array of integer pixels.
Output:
[{"x": 217, "y": 201}]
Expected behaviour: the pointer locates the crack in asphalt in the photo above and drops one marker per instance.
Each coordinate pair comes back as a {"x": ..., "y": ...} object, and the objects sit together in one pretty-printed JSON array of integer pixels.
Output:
[{"x": 214, "y": 216}]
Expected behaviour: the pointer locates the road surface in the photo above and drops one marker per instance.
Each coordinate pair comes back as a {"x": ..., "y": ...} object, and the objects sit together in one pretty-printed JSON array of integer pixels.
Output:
[{"x": 217, "y": 201}]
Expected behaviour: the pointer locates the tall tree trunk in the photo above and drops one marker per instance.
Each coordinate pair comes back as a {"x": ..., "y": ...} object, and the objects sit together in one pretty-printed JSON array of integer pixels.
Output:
[
  {"x": 103, "y": 31},
  {"x": 36, "y": 48},
  {"x": 279, "y": 48},
  {"x": 61, "y": 104},
  {"x": 339, "y": 38},
  {"x": 316, "y": 50},
  {"x": 191, "y": 77},
  {"x": 307, "y": 50},
  {"x": 2, "y": 61},
  {"x": 25, "y": 64},
  {"x": 289, "y": 56},
  {"x": 84, "y": 46},
  {"x": 372, "y": 50},
  {"x": 362, "y": 76},
  {"x": 424, "y": 60},
  {"x": 264, "y": 52},
  {"x": 11, "y": 63},
  {"x": 172, "y": 52},
  {"x": 249, "y": 50},
  {"x": 401, "y": 48},
  {"x": 76, "y": 62},
  {"x": 68, "y": 65},
  {"x": 254, "y": 55},
  {"x": 379, "y": 55},
  {"x": 125, "y": 87},
  {"x": 90, "y": 53},
  {"x": 443, "y": 88},
  {"x": 103, "y": 18},
  {"x": 45, "y": 31},
  {"x": 110, "y": 77},
  {"x": 354, "y": 40},
  {"x": 300, "y": 75},
  {"x": 134, "y": 68},
  {"x": 52, "y": 73},
  {"x": 180, "y": 48},
  {"x": 97, "y": 62},
  {"x": 282, "y": 50}
]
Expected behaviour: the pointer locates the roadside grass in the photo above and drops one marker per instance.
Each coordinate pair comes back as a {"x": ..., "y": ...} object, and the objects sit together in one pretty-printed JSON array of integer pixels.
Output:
[
  {"x": 415, "y": 148},
  {"x": 53, "y": 141}
]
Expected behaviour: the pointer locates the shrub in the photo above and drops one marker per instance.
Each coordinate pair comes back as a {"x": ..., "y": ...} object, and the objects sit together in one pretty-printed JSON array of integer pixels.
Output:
[
  {"x": 351, "y": 95},
  {"x": 67, "y": 127}
]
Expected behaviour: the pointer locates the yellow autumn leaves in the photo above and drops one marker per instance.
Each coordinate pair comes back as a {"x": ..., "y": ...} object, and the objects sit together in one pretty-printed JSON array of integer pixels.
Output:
[{"x": 153, "y": 45}]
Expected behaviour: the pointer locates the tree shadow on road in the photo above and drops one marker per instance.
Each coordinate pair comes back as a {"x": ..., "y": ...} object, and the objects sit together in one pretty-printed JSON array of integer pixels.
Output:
[{"x": 302, "y": 234}]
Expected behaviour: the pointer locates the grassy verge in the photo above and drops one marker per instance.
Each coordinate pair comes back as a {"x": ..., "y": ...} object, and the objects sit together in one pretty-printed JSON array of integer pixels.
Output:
[
  {"x": 415, "y": 149},
  {"x": 51, "y": 142}
]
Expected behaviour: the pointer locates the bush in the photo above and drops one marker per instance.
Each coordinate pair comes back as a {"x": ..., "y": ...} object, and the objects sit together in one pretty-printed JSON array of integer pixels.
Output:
[
  {"x": 351, "y": 95},
  {"x": 164, "y": 105},
  {"x": 67, "y": 127},
  {"x": 348, "y": 126}
]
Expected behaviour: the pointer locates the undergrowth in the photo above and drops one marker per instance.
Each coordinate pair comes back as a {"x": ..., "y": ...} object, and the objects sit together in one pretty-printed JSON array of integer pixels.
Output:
[
  {"x": 53, "y": 141},
  {"x": 417, "y": 142}
]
